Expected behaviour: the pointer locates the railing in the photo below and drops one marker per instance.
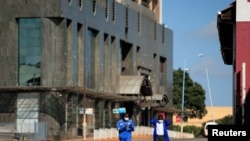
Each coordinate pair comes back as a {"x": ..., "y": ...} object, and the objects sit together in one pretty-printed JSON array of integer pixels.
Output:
[
  {"x": 8, "y": 132},
  {"x": 109, "y": 133},
  {"x": 12, "y": 131}
]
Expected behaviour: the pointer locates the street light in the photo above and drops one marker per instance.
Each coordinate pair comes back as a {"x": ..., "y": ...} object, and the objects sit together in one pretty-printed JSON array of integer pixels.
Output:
[
  {"x": 209, "y": 90},
  {"x": 84, "y": 120},
  {"x": 183, "y": 93}
]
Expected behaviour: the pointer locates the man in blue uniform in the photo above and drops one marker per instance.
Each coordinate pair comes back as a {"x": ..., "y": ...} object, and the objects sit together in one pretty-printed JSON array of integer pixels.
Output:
[
  {"x": 125, "y": 127},
  {"x": 160, "y": 129}
]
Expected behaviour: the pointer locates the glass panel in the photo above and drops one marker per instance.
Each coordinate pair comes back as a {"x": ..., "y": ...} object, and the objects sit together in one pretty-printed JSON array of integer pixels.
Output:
[
  {"x": 29, "y": 51},
  {"x": 89, "y": 59},
  {"x": 34, "y": 42},
  {"x": 21, "y": 60},
  {"x": 32, "y": 60},
  {"x": 34, "y": 52}
]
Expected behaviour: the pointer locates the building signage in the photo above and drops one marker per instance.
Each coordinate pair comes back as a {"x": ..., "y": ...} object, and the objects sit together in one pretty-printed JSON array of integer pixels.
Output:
[
  {"x": 88, "y": 111},
  {"x": 178, "y": 118},
  {"x": 122, "y": 110},
  {"x": 119, "y": 110},
  {"x": 115, "y": 111}
]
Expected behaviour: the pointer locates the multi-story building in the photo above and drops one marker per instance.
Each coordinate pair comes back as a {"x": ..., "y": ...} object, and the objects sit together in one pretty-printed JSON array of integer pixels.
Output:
[
  {"x": 234, "y": 32},
  {"x": 64, "y": 62}
]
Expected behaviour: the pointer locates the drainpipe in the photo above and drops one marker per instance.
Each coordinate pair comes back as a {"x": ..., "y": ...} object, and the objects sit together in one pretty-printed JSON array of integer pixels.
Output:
[{"x": 243, "y": 85}]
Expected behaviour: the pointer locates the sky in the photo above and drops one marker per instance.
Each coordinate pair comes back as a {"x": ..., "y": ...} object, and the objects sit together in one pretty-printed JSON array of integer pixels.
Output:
[{"x": 193, "y": 23}]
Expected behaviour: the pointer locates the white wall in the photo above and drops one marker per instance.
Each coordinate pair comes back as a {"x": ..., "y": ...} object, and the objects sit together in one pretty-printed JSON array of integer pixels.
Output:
[{"x": 242, "y": 10}]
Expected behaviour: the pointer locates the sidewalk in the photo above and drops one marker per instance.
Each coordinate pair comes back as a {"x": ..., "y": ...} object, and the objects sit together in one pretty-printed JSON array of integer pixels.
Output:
[{"x": 145, "y": 138}]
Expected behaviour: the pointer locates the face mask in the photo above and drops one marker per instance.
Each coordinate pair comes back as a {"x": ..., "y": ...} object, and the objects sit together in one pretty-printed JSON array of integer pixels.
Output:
[
  {"x": 126, "y": 118},
  {"x": 160, "y": 121}
]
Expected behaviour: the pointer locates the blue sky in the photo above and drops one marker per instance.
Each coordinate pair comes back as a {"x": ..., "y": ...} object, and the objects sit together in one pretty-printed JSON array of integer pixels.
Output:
[{"x": 194, "y": 27}]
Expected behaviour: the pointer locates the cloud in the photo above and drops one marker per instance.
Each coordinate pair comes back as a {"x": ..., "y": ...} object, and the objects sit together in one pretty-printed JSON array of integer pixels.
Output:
[
  {"x": 213, "y": 68},
  {"x": 209, "y": 30}
]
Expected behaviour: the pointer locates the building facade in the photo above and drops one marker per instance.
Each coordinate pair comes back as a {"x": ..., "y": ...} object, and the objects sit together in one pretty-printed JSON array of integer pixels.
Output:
[
  {"x": 234, "y": 30},
  {"x": 71, "y": 62},
  {"x": 213, "y": 113}
]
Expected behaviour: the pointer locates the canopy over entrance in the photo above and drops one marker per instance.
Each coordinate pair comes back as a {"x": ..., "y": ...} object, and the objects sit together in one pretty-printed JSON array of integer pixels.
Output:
[{"x": 135, "y": 85}]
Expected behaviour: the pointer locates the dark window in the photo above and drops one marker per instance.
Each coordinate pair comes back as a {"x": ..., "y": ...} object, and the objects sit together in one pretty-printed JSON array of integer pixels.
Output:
[
  {"x": 29, "y": 38},
  {"x": 145, "y": 3},
  {"x": 113, "y": 10},
  {"x": 90, "y": 58}
]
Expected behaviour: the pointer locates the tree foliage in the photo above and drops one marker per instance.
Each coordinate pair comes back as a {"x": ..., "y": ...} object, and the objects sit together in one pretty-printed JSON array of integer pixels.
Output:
[
  {"x": 226, "y": 120},
  {"x": 194, "y": 96}
]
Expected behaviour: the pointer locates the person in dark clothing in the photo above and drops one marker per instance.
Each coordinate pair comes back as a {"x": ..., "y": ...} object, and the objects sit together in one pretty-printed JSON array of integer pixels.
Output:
[{"x": 160, "y": 128}]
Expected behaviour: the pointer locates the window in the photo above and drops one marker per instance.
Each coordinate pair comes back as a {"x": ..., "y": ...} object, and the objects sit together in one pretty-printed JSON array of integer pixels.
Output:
[
  {"x": 94, "y": 6},
  {"x": 80, "y": 2},
  {"x": 126, "y": 20},
  {"x": 113, "y": 10},
  {"x": 162, "y": 76},
  {"x": 145, "y": 3},
  {"x": 29, "y": 38},
  {"x": 139, "y": 22},
  {"x": 70, "y": 1},
  {"x": 90, "y": 57},
  {"x": 107, "y": 9}
]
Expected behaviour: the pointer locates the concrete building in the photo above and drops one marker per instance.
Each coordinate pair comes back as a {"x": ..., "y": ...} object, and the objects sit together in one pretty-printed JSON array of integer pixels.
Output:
[
  {"x": 66, "y": 63},
  {"x": 234, "y": 31}
]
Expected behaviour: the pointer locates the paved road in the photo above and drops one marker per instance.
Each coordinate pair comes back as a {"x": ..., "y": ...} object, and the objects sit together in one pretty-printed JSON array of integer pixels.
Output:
[
  {"x": 148, "y": 138},
  {"x": 195, "y": 139}
]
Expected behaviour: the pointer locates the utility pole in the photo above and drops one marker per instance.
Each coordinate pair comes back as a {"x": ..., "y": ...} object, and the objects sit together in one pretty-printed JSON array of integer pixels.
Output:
[
  {"x": 183, "y": 95},
  {"x": 210, "y": 95},
  {"x": 84, "y": 83}
]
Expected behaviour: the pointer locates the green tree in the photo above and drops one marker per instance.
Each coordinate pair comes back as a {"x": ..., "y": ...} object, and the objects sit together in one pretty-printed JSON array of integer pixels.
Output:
[
  {"x": 194, "y": 96},
  {"x": 225, "y": 120}
]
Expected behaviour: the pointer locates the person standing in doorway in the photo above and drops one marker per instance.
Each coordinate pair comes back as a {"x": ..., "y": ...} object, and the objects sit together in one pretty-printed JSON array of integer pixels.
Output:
[
  {"x": 125, "y": 127},
  {"x": 160, "y": 132}
]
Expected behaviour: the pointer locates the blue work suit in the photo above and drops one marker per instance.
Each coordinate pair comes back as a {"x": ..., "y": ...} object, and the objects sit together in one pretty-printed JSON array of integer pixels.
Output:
[
  {"x": 125, "y": 129},
  {"x": 165, "y": 124}
]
